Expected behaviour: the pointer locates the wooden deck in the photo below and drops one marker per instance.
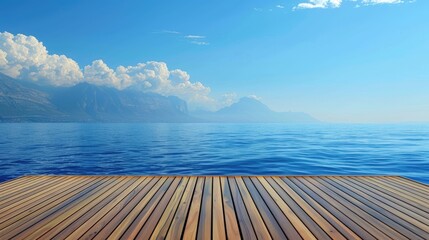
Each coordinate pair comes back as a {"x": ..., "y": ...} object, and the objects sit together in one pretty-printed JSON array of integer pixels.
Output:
[{"x": 127, "y": 207}]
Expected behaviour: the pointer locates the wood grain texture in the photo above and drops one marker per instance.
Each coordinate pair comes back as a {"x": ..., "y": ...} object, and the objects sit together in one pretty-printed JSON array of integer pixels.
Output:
[
  {"x": 205, "y": 223},
  {"x": 214, "y": 207},
  {"x": 231, "y": 224},
  {"x": 218, "y": 213},
  {"x": 192, "y": 220}
]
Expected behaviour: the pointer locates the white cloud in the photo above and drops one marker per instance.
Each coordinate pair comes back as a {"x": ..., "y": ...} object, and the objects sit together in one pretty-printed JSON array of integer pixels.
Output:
[
  {"x": 255, "y": 97},
  {"x": 195, "y": 36},
  {"x": 24, "y": 57},
  {"x": 280, "y": 6},
  {"x": 319, "y": 4},
  {"x": 98, "y": 73},
  {"x": 310, "y": 4},
  {"x": 373, "y": 2},
  {"x": 228, "y": 99},
  {"x": 151, "y": 77},
  {"x": 202, "y": 43},
  {"x": 3, "y": 60},
  {"x": 197, "y": 39},
  {"x": 170, "y": 32},
  {"x": 191, "y": 38}
]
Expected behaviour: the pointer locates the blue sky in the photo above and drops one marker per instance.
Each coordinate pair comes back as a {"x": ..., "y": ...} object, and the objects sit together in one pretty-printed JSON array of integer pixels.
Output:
[{"x": 342, "y": 61}]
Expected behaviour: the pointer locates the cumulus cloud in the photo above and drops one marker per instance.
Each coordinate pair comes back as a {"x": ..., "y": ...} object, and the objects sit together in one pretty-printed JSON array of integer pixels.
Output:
[
  {"x": 24, "y": 57},
  {"x": 3, "y": 60},
  {"x": 98, "y": 73},
  {"x": 151, "y": 77}
]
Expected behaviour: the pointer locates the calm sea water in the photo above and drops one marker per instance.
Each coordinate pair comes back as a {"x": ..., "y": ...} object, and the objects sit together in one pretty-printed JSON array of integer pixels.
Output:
[{"x": 214, "y": 149}]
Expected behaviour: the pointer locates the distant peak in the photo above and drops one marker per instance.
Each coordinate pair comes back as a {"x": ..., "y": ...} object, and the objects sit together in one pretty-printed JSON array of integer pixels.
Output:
[
  {"x": 246, "y": 104},
  {"x": 254, "y": 97},
  {"x": 249, "y": 100}
]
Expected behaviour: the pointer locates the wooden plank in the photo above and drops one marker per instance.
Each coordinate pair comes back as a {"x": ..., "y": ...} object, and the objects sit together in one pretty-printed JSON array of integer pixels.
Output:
[
  {"x": 243, "y": 218},
  {"x": 205, "y": 222},
  {"x": 231, "y": 223},
  {"x": 16, "y": 183},
  {"x": 43, "y": 225},
  {"x": 98, "y": 221},
  {"x": 259, "y": 226},
  {"x": 399, "y": 224},
  {"x": 422, "y": 203},
  {"x": 86, "y": 217},
  {"x": 327, "y": 213},
  {"x": 142, "y": 222},
  {"x": 164, "y": 222},
  {"x": 213, "y": 207},
  {"x": 120, "y": 220},
  {"x": 16, "y": 206},
  {"x": 382, "y": 230},
  {"x": 25, "y": 185},
  {"x": 371, "y": 208},
  {"x": 387, "y": 205},
  {"x": 173, "y": 194},
  {"x": 301, "y": 221},
  {"x": 11, "y": 196},
  {"x": 405, "y": 207},
  {"x": 270, "y": 221},
  {"x": 319, "y": 229},
  {"x": 178, "y": 222},
  {"x": 415, "y": 186},
  {"x": 47, "y": 202},
  {"x": 133, "y": 222},
  {"x": 191, "y": 227},
  {"x": 406, "y": 187},
  {"x": 80, "y": 213},
  {"x": 296, "y": 221},
  {"x": 219, "y": 231},
  {"x": 40, "y": 206},
  {"x": 31, "y": 220},
  {"x": 277, "y": 207},
  {"x": 343, "y": 214},
  {"x": 354, "y": 206}
]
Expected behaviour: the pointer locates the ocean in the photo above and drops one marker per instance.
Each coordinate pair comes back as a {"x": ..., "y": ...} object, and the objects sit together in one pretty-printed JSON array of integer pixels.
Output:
[{"x": 213, "y": 149}]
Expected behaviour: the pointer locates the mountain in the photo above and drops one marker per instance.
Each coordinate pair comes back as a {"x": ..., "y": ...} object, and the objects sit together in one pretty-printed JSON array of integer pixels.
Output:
[
  {"x": 251, "y": 110},
  {"x": 19, "y": 102},
  {"x": 24, "y": 102},
  {"x": 94, "y": 103}
]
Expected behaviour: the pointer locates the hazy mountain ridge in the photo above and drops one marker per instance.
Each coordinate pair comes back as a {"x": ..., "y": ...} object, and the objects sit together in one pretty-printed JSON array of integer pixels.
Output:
[
  {"x": 18, "y": 101},
  {"x": 22, "y": 101},
  {"x": 251, "y": 110}
]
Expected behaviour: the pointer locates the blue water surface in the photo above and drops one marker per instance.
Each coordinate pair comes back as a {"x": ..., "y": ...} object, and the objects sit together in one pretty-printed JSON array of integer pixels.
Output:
[{"x": 213, "y": 149}]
